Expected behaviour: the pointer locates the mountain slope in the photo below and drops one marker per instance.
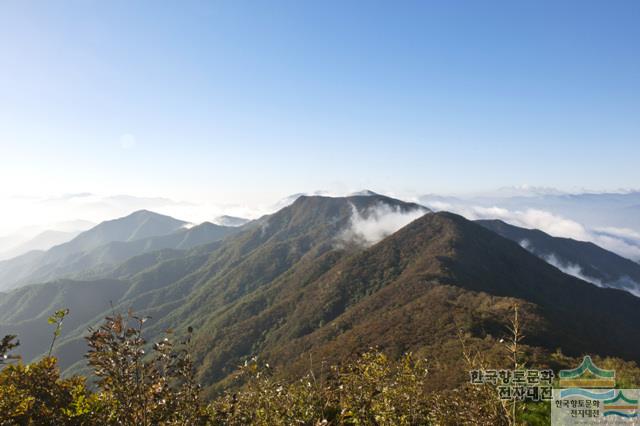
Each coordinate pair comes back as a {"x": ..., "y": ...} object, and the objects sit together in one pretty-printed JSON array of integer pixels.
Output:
[
  {"x": 269, "y": 248},
  {"x": 584, "y": 260},
  {"x": 37, "y": 237},
  {"x": 408, "y": 293},
  {"x": 289, "y": 288},
  {"x": 136, "y": 226},
  {"x": 175, "y": 286},
  {"x": 41, "y": 266},
  {"x": 25, "y": 311},
  {"x": 43, "y": 241},
  {"x": 411, "y": 291},
  {"x": 103, "y": 259}
]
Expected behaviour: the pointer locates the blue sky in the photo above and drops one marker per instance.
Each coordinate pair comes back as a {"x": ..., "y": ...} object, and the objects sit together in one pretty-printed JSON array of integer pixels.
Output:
[{"x": 254, "y": 100}]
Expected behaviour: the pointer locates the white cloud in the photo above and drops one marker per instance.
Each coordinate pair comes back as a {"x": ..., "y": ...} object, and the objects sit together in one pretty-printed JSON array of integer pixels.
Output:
[
  {"x": 618, "y": 245},
  {"x": 376, "y": 223},
  {"x": 439, "y": 205},
  {"x": 526, "y": 244},
  {"x": 566, "y": 267},
  {"x": 534, "y": 219},
  {"x": 620, "y": 232},
  {"x": 622, "y": 241},
  {"x": 623, "y": 283},
  {"x": 31, "y": 215},
  {"x": 571, "y": 269},
  {"x": 628, "y": 284}
]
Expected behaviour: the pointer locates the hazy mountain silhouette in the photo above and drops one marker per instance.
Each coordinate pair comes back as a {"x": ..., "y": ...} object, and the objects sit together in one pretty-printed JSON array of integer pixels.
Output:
[
  {"x": 43, "y": 241},
  {"x": 582, "y": 259},
  {"x": 289, "y": 285},
  {"x": 71, "y": 256},
  {"x": 181, "y": 283}
]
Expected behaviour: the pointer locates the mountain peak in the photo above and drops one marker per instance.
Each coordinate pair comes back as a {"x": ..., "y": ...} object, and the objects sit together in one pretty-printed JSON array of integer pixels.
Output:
[
  {"x": 448, "y": 251},
  {"x": 364, "y": 192},
  {"x": 360, "y": 201},
  {"x": 144, "y": 213},
  {"x": 365, "y": 218},
  {"x": 137, "y": 225}
]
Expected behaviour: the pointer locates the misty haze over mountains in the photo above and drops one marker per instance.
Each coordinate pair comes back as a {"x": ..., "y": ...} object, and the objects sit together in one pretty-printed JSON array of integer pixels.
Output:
[
  {"x": 31, "y": 238},
  {"x": 106, "y": 245},
  {"x": 582, "y": 260},
  {"x": 319, "y": 213},
  {"x": 609, "y": 219},
  {"x": 330, "y": 275}
]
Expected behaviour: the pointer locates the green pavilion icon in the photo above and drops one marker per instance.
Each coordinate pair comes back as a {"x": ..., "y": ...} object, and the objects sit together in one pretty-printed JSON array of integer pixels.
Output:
[
  {"x": 621, "y": 406},
  {"x": 587, "y": 375}
]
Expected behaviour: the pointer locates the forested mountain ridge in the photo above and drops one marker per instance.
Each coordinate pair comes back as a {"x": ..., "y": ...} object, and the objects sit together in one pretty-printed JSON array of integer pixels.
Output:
[
  {"x": 304, "y": 283},
  {"x": 169, "y": 284},
  {"x": 104, "y": 246},
  {"x": 582, "y": 259}
]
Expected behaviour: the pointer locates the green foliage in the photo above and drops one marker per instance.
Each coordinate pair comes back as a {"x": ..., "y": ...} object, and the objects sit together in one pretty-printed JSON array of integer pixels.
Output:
[
  {"x": 159, "y": 388},
  {"x": 35, "y": 394},
  {"x": 133, "y": 388},
  {"x": 8, "y": 343},
  {"x": 142, "y": 383},
  {"x": 374, "y": 390},
  {"x": 57, "y": 318},
  {"x": 627, "y": 372},
  {"x": 371, "y": 390},
  {"x": 282, "y": 286},
  {"x": 268, "y": 401},
  {"x": 536, "y": 414},
  {"x": 138, "y": 389}
]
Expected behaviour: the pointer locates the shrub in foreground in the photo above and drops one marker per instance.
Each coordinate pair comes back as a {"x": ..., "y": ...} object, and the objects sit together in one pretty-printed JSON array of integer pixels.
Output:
[{"x": 142, "y": 384}]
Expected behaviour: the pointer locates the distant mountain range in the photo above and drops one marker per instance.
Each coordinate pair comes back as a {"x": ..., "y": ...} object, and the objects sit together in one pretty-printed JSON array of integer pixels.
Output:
[
  {"x": 581, "y": 259},
  {"x": 303, "y": 284},
  {"x": 39, "y": 238},
  {"x": 595, "y": 210},
  {"x": 42, "y": 241},
  {"x": 611, "y": 220},
  {"x": 93, "y": 252}
]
